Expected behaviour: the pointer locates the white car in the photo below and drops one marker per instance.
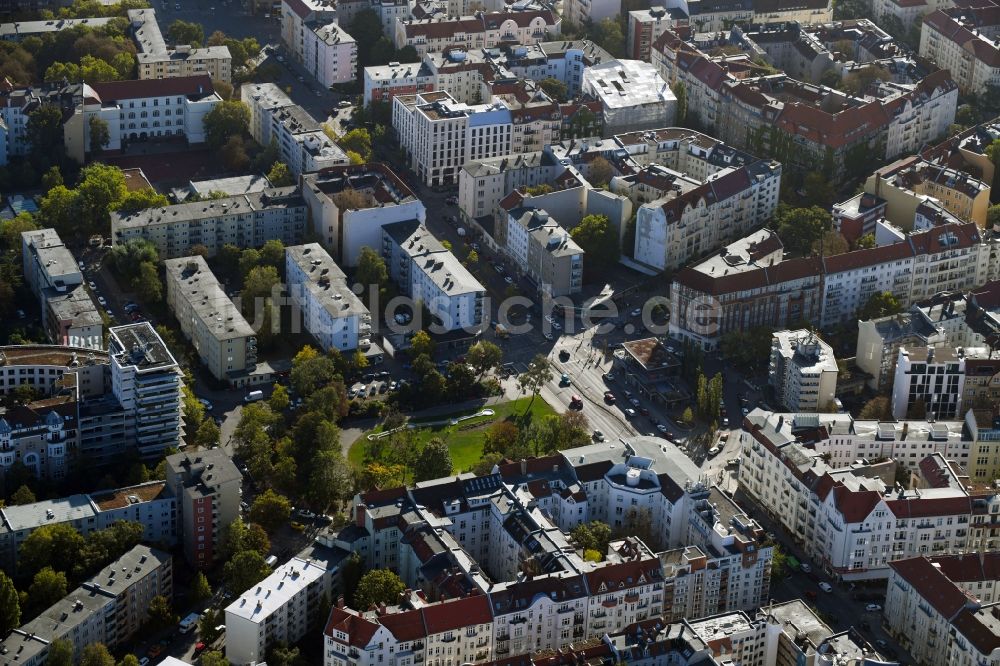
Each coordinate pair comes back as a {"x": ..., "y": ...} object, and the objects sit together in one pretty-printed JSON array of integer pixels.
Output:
[
  {"x": 662, "y": 428},
  {"x": 102, "y": 301},
  {"x": 629, "y": 412},
  {"x": 82, "y": 266},
  {"x": 550, "y": 319},
  {"x": 206, "y": 404},
  {"x": 92, "y": 285},
  {"x": 636, "y": 312},
  {"x": 714, "y": 451},
  {"x": 826, "y": 587},
  {"x": 508, "y": 279},
  {"x": 557, "y": 326},
  {"x": 873, "y": 608},
  {"x": 804, "y": 567},
  {"x": 547, "y": 335}
]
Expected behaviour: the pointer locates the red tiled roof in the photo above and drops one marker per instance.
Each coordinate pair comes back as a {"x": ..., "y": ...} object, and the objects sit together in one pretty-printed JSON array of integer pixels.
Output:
[
  {"x": 623, "y": 576},
  {"x": 137, "y": 89},
  {"x": 923, "y": 507},
  {"x": 452, "y": 615},
  {"x": 982, "y": 637},
  {"x": 359, "y": 630},
  {"x": 971, "y": 567},
  {"x": 405, "y": 626},
  {"x": 931, "y": 584},
  {"x": 855, "y": 506},
  {"x": 299, "y": 7}
]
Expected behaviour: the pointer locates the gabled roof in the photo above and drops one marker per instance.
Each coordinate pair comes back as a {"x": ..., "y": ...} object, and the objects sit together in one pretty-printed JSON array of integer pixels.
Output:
[
  {"x": 110, "y": 91},
  {"x": 456, "y": 614},
  {"x": 931, "y": 584},
  {"x": 359, "y": 630},
  {"x": 623, "y": 575},
  {"x": 405, "y": 626}
]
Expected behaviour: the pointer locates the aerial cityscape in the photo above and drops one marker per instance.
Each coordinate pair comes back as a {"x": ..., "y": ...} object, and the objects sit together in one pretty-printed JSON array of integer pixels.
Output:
[{"x": 502, "y": 332}]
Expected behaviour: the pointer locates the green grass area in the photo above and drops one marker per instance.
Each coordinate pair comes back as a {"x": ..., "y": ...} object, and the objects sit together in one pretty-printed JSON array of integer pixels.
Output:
[{"x": 464, "y": 441}]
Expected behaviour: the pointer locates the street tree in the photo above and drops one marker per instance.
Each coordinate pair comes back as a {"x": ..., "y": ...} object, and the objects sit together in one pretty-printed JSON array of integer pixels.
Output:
[
  {"x": 161, "y": 612},
  {"x": 279, "y": 400},
  {"x": 421, "y": 344},
  {"x": 241, "y": 536},
  {"x": 228, "y": 119},
  {"x": 200, "y": 589},
  {"x": 311, "y": 371},
  {"x": 799, "y": 228},
  {"x": 483, "y": 357},
  {"x": 331, "y": 479},
  {"x": 207, "y": 434},
  {"x": 147, "y": 283},
  {"x": 44, "y": 129},
  {"x": 60, "y": 653},
  {"x": 538, "y": 374},
  {"x": 47, "y": 587},
  {"x": 23, "y": 495}
]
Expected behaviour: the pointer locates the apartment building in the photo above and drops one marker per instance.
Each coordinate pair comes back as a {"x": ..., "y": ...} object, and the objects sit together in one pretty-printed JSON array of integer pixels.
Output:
[
  {"x": 145, "y": 379},
  {"x": 244, "y": 220},
  {"x": 485, "y": 532},
  {"x": 151, "y": 504},
  {"x": 845, "y": 514},
  {"x": 348, "y": 206},
  {"x": 440, "y": 135},
  {"x": 646, "y": 25},
  {"x": 142, "y": 109},
  {"x": 329, "y": 308},
  {"x": 544, "y": 251},
  {"x": 803, "y": 371},
  {"x": 484, "y": 30},
  {"x": 225, "y": 342},
  {"x": 468, "y": 75},
  {"x": 632, "y": 94},
  {"x": 156, "y": 61},
  {"x": 962, "y": 40},
  {"x": 313, "y": 36},
  {"x": 428, "y": 273},
  {"x": 283, "y": 606},
  {"x": 932, "y": 380},
  {"x": 42, "y": 368},
  {"x": 710, "y": 296},
  {"x": 301, "y": 142},
  {"x": 907, "y": 183},
  {"x": 69, "y": 314},
  {"x": 943, "y": 609},
  {"x": 582, "y": 12},
  {"x": 207, "y": 486},
  {"x": 109, "y": 608}
]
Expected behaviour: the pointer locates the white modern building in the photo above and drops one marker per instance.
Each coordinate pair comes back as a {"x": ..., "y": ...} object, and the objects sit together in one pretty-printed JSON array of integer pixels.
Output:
[
  {"x": 311, "y": 31},
  {"x": 301, "y": 142},
  {"x": 329, "y": 308},
  {"x": 225, "y": 342},
  {"x": 582, "y": 12},
  {"x": 430, "y": 274},
  {"x": 931, "y": 380},
  {"x": 283, "y": 606},
  {"x": 146, "y": 380},
  {"x": 348, "y": 206},
  {"x": 803, "y": 371},
  {"x": 244, "y": 220}
]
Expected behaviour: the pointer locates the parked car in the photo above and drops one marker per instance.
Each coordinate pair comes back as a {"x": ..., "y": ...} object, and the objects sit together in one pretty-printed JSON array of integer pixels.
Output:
[
  {"x": 575, "y": 402},
  {"x": 629, "y": 412},
  {"x": 103, "y": 302},
  {"x": 826, "y": 587},
  {"x": 873, "y": 608},
  {"x": 714, "y": 451},
  {"x": 93, "y": 287},
  {"x": 805, "y": 568},
  {"x": 343, "y": 104},
  {"x": 598, "y": 436},
  {"x": 564, "y": 380},
  {"x": 609, "y": 397}
]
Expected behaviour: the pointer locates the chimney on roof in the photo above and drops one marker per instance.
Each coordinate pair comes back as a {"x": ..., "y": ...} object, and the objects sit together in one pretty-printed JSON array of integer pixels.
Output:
[
  {"x": 359, "y": 515},
  {"x": 340, "y": 601},
  {"x": 524, "y": 466}
]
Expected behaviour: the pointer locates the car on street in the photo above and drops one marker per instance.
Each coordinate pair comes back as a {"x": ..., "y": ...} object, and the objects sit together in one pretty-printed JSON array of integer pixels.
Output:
[
  {"x": 873, "y": 608},
  {"x": 102, "y": 301},
  {"x": 547, "y": 335},
  {"x": 575, "y": 402},
  {"x": 636, "y": 312},
  {"x": 629, "y": 412},
  {"x": 644, "y": 411},
  {"x": 598, "y": 436},
  {"x": 609, "y": 397},
  {"x": 826, "y": 587},
  {"x": 343, "y": 104},
  {"x": 557, "y": 326},
  {"x": 206, "y": 404},
  {"x": 714, "y": 451},
  {"x": 508, "y": 279},
  {"x": 662, "y": 428},
  {"x": 199, "y": 646},
  {"x": 634, "y": 401},
  {"x": 143, "y": 661},
  {"x": 451, "y": 201},
  {"x": 564, "y": 380},
  {"x": 297, "y": 526},
  {"x": 805, "y": 568},
  {"x": 93, "y": 286}
]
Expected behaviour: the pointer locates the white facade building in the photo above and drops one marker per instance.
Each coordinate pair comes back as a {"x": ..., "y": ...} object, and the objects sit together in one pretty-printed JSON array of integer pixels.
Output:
[
  {"x": 330, "y": 309},
  {"x": 146, "y": 380},
  {"x": 301, "y": 142},
  {"x": 312, "y": 34},
  {"x": 348, "y": 206},
  {"x": 632, "y": 94},
  {"x": 429, "y": 273},
  {"x": 803, "y": 371}
]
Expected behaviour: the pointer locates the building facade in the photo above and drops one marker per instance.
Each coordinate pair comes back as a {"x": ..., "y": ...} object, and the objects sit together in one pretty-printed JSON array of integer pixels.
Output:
[{"x": 803, "y": 371}]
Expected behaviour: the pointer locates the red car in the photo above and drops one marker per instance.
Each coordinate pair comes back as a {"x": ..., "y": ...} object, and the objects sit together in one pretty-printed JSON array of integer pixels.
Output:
[
  {"x": 609, "y": 397},
  {"x": 199, "y": 646},
  {"x": 575, "y": 402}
]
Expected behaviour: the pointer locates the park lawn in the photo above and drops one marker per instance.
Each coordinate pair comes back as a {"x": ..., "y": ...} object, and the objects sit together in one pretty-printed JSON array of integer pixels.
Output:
[{"x": 466, "y": 446}]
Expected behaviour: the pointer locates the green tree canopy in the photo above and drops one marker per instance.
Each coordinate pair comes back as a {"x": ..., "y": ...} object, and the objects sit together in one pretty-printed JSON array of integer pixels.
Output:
[
  {"x": 96, "y": 654},
  {"x": 10, "y": 606},
  {"x": 311, "y": 371},
  {"x": 47, "y": 587},
  {"x": 599, "y": 240},
  {"x": 240, "y": 537},
  {"x": 881, "y": 304},
  {"x": 433, "y": 462},
  {"x": 184, "y": 32},
  {"x": 244, "y": 570},
  {"x": 60, "y": 653},
  {"x": 594, "y": 535},
  {"x": 555, "y": 89},
  {"x": 58, "y": 546},
  {"x": 800, "y": 228},
  {"x": 280, "y": 175},
  {"x": 376, "y": 587},
  {"x": 270, "y": 510},
  {"x": 229, "y": 118}
]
